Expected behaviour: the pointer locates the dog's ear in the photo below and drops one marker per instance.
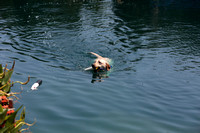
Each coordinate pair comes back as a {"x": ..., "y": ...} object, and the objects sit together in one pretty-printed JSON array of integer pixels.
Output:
[{"x": 107, "y": 67}]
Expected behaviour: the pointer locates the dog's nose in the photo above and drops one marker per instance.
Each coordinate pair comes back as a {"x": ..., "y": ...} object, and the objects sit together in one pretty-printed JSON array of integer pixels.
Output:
[{"x": 93, "y": 66}]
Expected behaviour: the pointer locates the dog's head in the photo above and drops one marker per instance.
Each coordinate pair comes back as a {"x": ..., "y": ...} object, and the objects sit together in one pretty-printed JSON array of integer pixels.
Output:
[{"x": 101, "y": 64}]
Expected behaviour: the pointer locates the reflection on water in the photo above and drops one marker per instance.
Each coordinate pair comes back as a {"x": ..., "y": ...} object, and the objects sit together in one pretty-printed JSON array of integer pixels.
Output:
[
  {"x": 154, "y": 84},
  {"x": 99, "y": 76},
  {"x": 159, "y": 28}
]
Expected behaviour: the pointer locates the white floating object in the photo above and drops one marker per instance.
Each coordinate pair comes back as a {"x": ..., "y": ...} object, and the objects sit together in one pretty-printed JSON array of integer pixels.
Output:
[
  {"x": 36, "y": 85},
  {"x": 89, "y": 68}
]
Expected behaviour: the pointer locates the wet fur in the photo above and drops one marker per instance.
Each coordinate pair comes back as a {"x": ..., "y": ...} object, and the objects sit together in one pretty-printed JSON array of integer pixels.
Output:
[{"x": 100, "y": 63}]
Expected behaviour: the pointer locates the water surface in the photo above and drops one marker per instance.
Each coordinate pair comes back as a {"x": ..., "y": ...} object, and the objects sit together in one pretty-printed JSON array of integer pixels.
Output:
[{"x": 155, "y": 79}]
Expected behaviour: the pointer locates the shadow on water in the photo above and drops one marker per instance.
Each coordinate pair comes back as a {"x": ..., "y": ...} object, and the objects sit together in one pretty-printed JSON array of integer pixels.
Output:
[{"x": 99, "y": 77}]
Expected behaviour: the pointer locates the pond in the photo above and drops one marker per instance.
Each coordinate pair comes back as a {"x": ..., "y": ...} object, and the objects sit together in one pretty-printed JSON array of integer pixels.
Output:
[{"x": 154, "y": 82}]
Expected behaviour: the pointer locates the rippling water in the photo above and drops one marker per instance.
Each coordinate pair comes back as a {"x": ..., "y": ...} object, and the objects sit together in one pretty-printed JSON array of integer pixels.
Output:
[{"x": 154, "y": 83}]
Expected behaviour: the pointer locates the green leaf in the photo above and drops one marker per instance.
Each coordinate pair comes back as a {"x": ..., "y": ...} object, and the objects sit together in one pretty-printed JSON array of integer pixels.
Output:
[
  {"x": 6, "y": 88},
  {"x": 2, "y": 115},
  {"x": 1, "y": 108},
  {"x": 11, "y": 119},
  {"x": 4, "y": 130},
  {"x": 19, "y": 123},
  {"x": 22, "y": 116},
  {"x": 17, "y": 127},
  {"x": 8, "y": 75}
]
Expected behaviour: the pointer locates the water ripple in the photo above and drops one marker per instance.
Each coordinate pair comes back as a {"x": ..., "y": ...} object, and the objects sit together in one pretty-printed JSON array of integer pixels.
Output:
[{"x": 154, "y": 84}]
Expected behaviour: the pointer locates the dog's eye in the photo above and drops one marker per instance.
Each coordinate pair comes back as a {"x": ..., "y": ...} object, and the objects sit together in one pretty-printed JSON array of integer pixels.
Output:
[{"x": 100, "y": 62}]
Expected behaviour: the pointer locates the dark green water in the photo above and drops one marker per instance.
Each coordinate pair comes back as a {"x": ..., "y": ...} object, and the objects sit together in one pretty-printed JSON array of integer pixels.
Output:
[{"x": 154, "y": 83}]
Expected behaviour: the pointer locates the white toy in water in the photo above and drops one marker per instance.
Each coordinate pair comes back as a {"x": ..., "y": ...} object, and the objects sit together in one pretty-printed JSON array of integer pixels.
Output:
[
  {"x": 88, "y": 69},
  {"x": 36, "y": 85}
]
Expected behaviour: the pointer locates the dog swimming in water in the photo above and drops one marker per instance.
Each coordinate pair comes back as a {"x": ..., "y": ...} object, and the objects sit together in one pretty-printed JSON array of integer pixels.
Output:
[{"x": 100, "y": 64}]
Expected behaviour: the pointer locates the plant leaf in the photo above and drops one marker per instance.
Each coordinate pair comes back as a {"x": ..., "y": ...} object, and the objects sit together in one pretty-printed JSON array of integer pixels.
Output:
[
  {"x": 1, "y": 108},
  {"x": 17, "y": 127},
  {"x": 22, "y": 116},
  {"x": 7, "y": 76},
  {"x": 4, "y": 130},
  {"x": 11, "y": 119},
  {"x": 6, "y": 88},
  {"x": 3, "y": 115}
]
